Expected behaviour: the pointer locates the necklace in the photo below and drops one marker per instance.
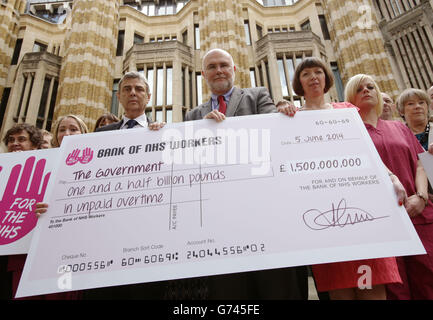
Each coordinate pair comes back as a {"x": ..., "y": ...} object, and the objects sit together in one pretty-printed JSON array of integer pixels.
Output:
[
  {"x": 327, "y": 107},
  {"x": 423, "y": 136}
]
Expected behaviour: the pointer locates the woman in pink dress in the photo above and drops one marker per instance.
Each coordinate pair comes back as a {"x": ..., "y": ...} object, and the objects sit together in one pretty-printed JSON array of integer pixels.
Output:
[
  {"x": 399, "y": 148},
  {"x": 313, "y": 80}
]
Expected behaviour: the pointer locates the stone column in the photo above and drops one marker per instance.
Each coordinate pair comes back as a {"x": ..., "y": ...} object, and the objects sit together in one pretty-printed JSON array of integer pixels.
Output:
[
  {"x": 9, "y": 19},
  {"x": 358, "y": 42},
  {"x": 222, "y": 26},
  {"x": 86, "y": 77}
]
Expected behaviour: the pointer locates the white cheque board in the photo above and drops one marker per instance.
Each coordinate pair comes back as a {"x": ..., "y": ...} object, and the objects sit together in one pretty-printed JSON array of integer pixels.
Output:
[{"x": 205, "y": 198}]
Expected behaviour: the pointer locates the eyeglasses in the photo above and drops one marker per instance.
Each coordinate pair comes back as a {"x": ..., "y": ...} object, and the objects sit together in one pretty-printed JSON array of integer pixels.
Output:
[{"x": 19, "y": 139}]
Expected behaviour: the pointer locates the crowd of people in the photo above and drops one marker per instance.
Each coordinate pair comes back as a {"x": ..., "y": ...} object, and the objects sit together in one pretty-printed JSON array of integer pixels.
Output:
[{"x": 399, "y": 130}]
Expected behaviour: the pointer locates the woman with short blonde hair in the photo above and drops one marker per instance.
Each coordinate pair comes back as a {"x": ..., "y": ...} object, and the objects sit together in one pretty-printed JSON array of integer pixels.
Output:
[
  {"x": 352, "y": 89},
  {"x": 398, "y": 148}
]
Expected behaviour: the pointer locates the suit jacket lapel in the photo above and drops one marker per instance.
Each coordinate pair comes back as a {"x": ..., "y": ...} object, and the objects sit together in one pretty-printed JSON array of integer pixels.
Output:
[
  {"x": 235, "y": 99},
  {"x": 206, "y": 108}
]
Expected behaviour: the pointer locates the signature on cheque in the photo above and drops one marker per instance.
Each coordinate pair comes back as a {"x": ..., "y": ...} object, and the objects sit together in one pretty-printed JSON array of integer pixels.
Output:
[{"x": 339, "y": 216}]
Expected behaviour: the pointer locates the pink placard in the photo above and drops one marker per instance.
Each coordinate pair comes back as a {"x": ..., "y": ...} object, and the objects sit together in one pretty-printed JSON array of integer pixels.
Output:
[{"x": 23, "y": 180}]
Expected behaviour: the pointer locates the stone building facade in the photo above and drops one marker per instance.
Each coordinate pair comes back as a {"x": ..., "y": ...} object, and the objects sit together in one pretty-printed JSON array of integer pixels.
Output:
[
  {"x": 63, "y": 56},
  {"x": 408, "y": 35}
]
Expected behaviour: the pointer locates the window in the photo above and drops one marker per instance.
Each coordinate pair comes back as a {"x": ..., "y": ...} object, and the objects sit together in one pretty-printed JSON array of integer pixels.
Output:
[
  {"x": 247, "y": 32},
  {"x": 158, "y": 117},
  {"x": 185, "y": 37},
  {"x": 150, "y": 83},
  {"x": 183, "y": 87},
  {"x": 4, "y": 103},
  {"x": 259, "y": 31},
  {"x": 273, "y": 3},
  {"x": 149, "y": 8},
  {"x": 283, "y": 80},
  {"x": 199, "y": 88},
  {"x": 162, "y": 7},
  {"x": 157, "y": 108},
  {"x": 26, "y": 109},
  {"x": 39, "y": 47},
  {"x": 138, "y": 39},
  {"x": 43, "y": 103},
  {"x": 396, "y": 7},
  {"x": 253, "y": 78},
  {"x": 162, "y": 78},
  {"x": 114, "y": 101},
  {"x": 17, "y": 51},
  {"x": 56, "y": 15},
  {"x": 169, "y": 94},
  {"x": 196, "y": 37},
  {"x": 324, "y": 26},
  {"x": 169, "y": 116},
  {"x": 338, "y": 82},
  {"x": 160, "y": 87},
  {"x": 306, "y": 26},
  {"x": 52, "y": 105},
  {"x": 290, "y": 69},
  {"x": 269, "y": 79},
  {"x": 120, "y": 43}
]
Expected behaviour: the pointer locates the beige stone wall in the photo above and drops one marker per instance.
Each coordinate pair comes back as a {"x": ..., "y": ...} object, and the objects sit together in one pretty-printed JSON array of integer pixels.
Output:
[
  {"x": 10, "y": 13},
  {"x": 358, "y": 42},
  {"x": 277, "y": 44},
  {"x": 222, "y": 26},
  {"x": 86, "y": 77}
]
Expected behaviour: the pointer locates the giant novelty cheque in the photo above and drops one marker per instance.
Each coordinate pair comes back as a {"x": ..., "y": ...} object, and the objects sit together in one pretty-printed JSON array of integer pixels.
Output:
[{"x": 205, "y": 198}]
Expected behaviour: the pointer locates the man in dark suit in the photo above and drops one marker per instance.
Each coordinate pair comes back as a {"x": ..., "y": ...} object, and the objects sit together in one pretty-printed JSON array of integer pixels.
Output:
[
  {"x": 230, "y": 101},
  {"x": 133, "y": 95}
]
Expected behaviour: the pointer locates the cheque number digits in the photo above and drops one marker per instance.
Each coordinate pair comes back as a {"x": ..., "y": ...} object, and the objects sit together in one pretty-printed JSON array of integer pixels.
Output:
[
  {"x": 305, "y": 166},
  {"x": 226, "y": 251},
  {"x": 85, "y": 266}
]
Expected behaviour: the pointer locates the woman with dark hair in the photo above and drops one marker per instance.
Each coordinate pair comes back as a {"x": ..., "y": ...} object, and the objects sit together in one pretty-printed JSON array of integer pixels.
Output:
[
  {"x": 312, "y": 80},
  {"x": 106, "y": 118},
  {"x": 23, "y": 137},
  {"x": 64, "y": 126}
]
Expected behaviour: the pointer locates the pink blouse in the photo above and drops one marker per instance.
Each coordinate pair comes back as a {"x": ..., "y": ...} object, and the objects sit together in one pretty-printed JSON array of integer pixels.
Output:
[{"x": 399, "y": 149}]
